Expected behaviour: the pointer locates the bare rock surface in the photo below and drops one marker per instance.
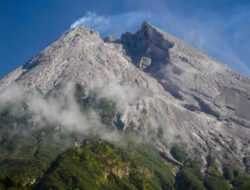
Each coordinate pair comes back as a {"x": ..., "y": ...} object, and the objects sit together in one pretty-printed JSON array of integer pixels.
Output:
[{"x": 180, "y": 93}]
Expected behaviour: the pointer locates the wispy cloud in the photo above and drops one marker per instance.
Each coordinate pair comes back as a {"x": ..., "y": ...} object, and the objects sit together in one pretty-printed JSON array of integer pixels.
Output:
[
  {"x": 60, "y": 110},
  {"x": 113, "y": 24}
]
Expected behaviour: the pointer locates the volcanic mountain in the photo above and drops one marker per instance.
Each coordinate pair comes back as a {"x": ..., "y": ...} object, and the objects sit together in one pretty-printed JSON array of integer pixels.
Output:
[{"x": 188, "y": 106}]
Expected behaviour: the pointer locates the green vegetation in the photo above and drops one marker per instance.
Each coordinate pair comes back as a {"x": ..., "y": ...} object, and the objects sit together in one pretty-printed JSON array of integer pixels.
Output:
[
  {"x": 41, "y": 156},
  {"x": 178, "y": 152},
  {"x": 230, "y": 173},
  {"x": 147, "y": 155},
  {"x": 241, "y": 182},
  {"x": 100, "y": 165},
  {"x": 79, "y": 93},
  {"x": 104, "y": 108},
  {"x": 190, "y": 176},
  {"x": 214, "y": 180},
  {"x": 216, "y": 183},
  {"x": 27, "y": 149}
]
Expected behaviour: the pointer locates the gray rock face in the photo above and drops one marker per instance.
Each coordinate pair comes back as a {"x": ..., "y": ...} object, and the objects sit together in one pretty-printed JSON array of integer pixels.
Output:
[
  {"x": 145, "y": 62},
  {"x": 199, "y": 81},
  {"x": 182, "y": 94}
]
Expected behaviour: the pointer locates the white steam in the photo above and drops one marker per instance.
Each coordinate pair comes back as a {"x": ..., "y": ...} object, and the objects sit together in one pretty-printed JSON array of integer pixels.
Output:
[{"x": 113, "y": 24}]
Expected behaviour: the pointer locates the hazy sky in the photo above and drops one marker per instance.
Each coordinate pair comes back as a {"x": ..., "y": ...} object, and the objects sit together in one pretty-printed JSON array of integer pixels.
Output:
[{"x": 219, "y": 27}]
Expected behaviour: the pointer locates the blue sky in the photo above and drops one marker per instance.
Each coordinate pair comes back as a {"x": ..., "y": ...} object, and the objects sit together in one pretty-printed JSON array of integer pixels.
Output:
[{"x": 219, "y": 27}]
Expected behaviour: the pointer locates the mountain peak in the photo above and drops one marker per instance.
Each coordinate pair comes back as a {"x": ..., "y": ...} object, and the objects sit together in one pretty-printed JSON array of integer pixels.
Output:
[
  {"x": 82, "y": 30},
  {"x": 147, "y": 47},
  {"x": 146, "y": 24},
  {"x": 161, "y": 85},
  {"x": 147, "y": 27}
]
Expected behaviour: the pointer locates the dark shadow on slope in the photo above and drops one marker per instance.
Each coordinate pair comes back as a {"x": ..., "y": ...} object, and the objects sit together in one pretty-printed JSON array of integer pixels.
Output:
[
  {"x": 147, "y": 48},
  {"x": 204, "y": 107}
]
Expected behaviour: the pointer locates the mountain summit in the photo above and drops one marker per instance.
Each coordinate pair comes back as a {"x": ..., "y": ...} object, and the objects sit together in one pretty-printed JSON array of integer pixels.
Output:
[{"x": 164, "y": 89}]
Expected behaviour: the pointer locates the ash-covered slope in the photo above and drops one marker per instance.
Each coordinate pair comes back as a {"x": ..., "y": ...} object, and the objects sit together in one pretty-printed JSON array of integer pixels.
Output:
[
  {"x": 171, "y": 92},
  {"x": 202, "y": 83}
]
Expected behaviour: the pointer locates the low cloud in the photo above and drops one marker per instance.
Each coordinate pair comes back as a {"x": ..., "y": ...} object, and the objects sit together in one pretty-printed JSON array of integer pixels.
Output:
[
  {"x": 122, "y": 96},
  {"x": 62, "y": 110},
  {"x": 58, "y": 109},
  {"x": 11, "y": 95}
]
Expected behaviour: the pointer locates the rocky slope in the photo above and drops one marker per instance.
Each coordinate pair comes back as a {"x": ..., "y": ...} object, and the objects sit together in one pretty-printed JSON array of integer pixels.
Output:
[{"x": 166, "y": 90}]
